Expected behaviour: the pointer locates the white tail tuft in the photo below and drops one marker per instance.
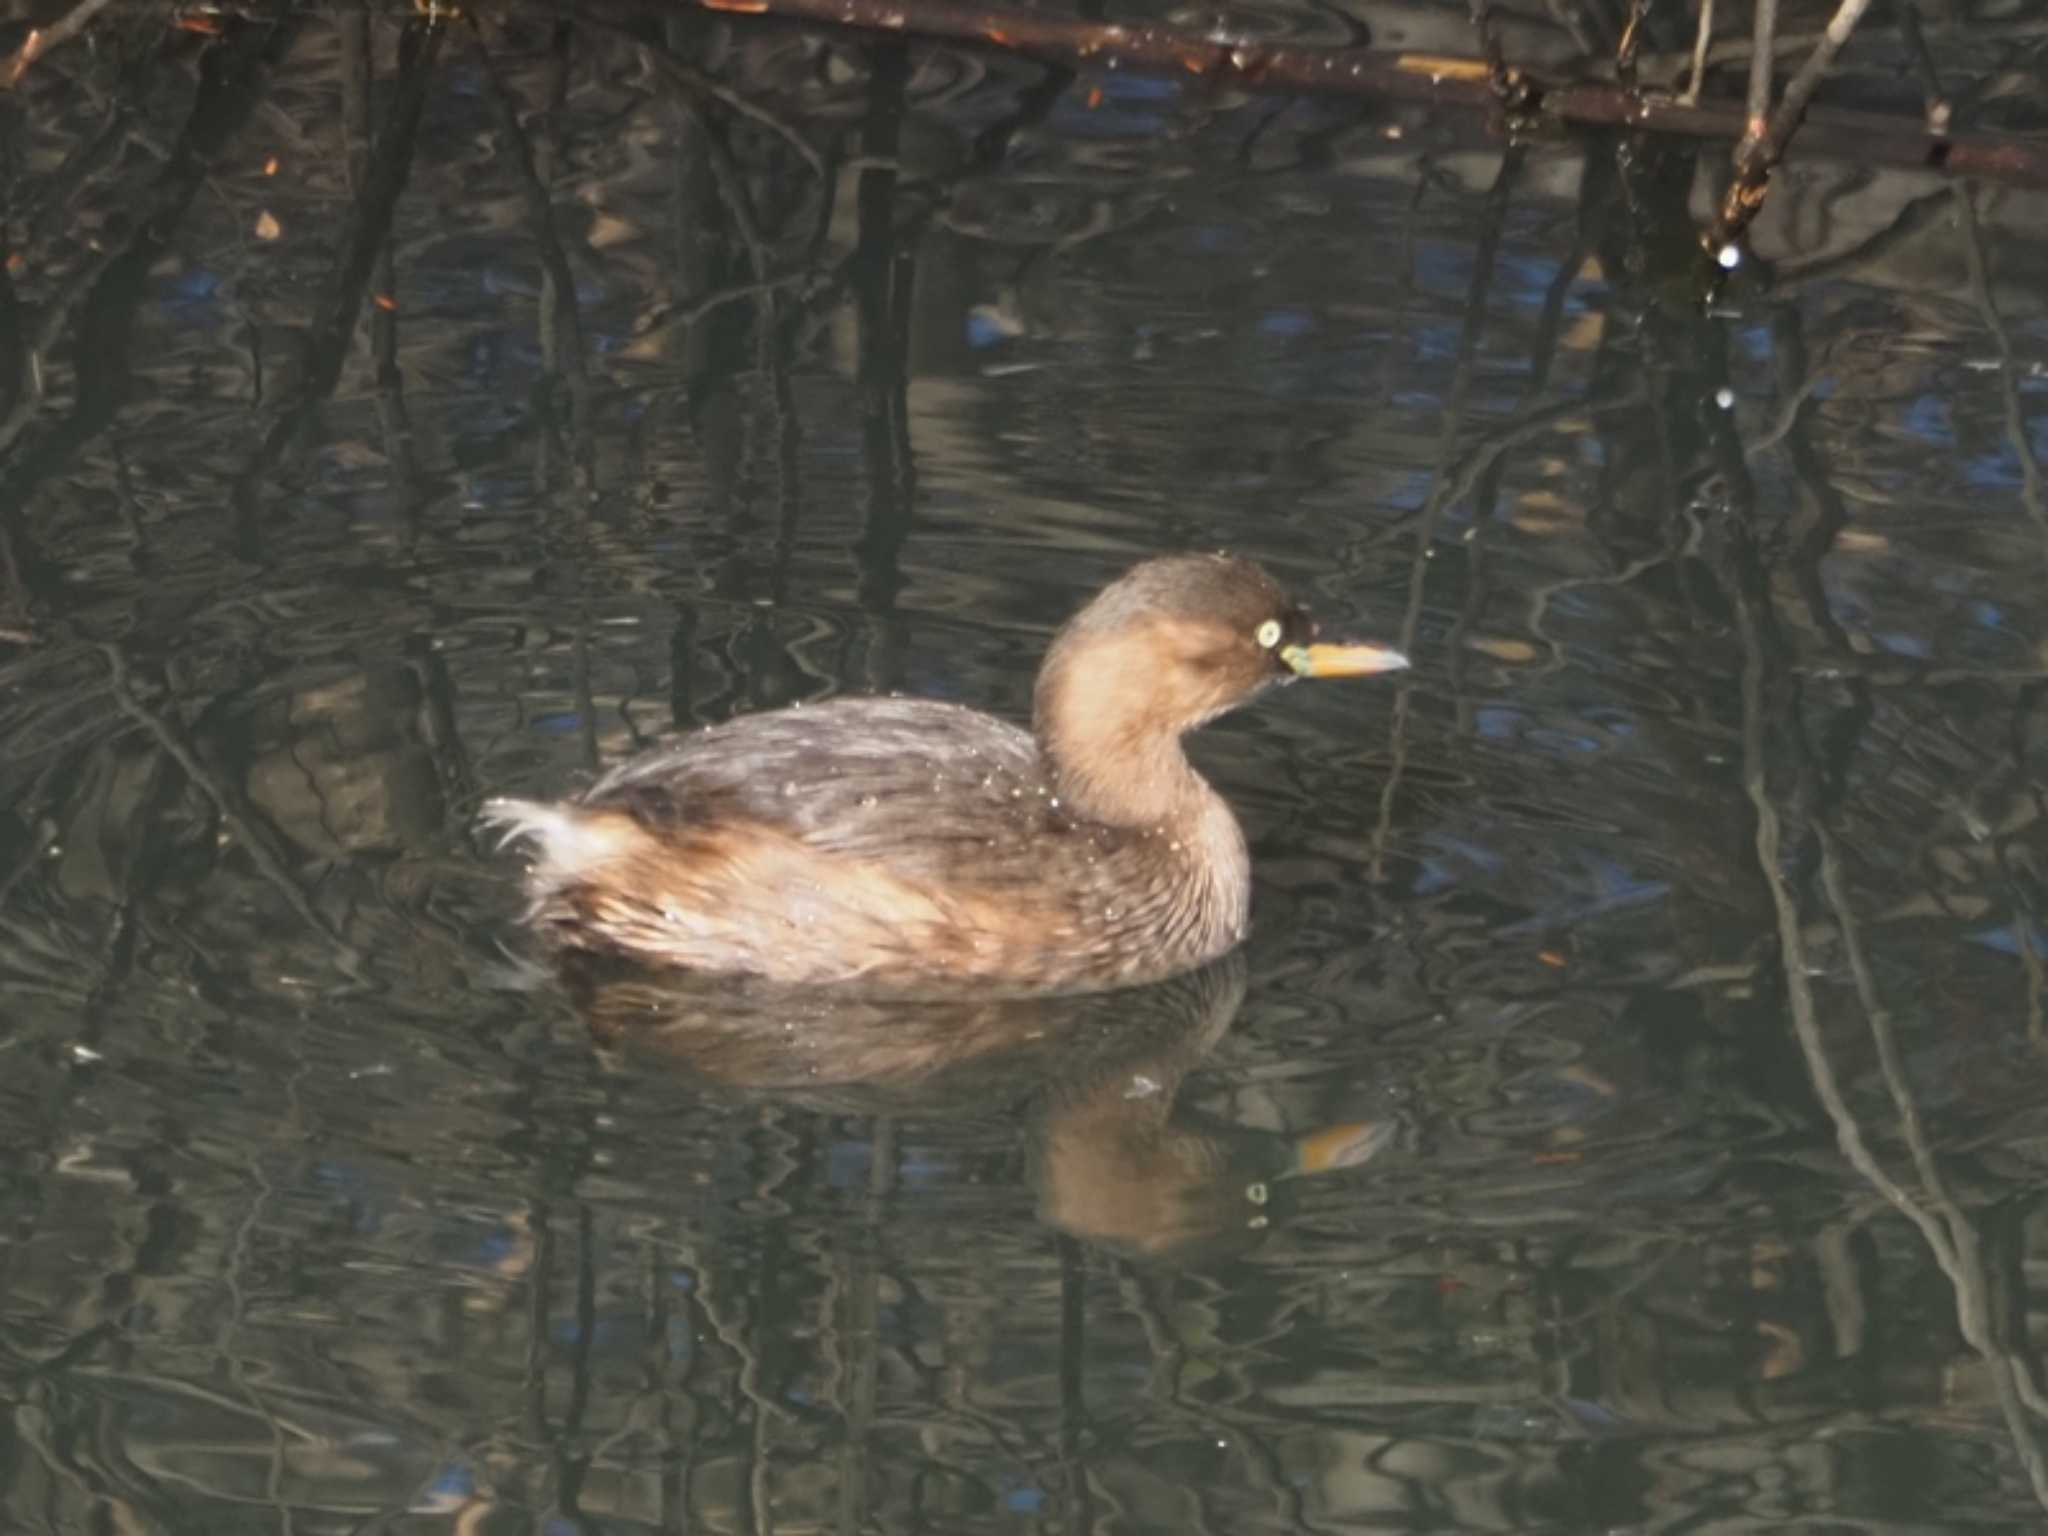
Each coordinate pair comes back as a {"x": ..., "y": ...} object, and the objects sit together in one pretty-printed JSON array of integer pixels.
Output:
[
  {"x": 567, "y": 843},
  {"x": 522, "y": 820}
]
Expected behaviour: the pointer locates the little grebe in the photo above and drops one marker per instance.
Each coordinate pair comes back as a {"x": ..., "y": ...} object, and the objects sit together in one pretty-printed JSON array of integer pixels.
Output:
[{"x": 914, "y": 846}]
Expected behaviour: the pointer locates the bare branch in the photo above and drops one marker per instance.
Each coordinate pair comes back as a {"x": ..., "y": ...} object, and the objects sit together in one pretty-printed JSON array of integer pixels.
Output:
[
  {"x": 1444, "y": 80},
  {"x": 1763, "y": 142}
]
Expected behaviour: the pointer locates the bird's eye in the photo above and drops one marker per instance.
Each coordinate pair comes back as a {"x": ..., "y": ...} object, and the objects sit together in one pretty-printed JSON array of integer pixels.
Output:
[{"x": 1269, "y": 633}]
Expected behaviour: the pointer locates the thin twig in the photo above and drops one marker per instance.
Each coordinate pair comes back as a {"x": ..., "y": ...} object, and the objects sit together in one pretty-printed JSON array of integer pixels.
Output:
[
  {"x": 686, "y": 315},
  {"x": 1879, "y": 1019},
  {"x": 31, "y": 854},
  {"x": 702, "y": 85},
  {"x": 1509, "y": 89},
  {"x": 2026, "y": 935},
  {"x": 1671, "y": 67},
  {"x": 1683, "y": 541},
  {"x": 1786, "y": 419},
  {"x": 1950, "y": 1238},
  {"x": 237, "y": 1363},
  {"x": 1939, "y": 112},
  {"x": 1567, "y": 15},
  {"x": 1629, "y": 46},
  {"x": 1912, "y": 220},
  {"x": 253, "y": 836},
  {"x": 1078, "y": 1513},
  {"x": 228, "y": 91},
  {"x": 1463, "y": 474},
  {"x": 1963, "y": 1262},
  {"x": 1699, "y": 54},
  {"x": 333, "y": 322},
  {"x": 1792, "y": 106},
  {"x": 563, "y": 354},
  {"x": 1764, "y": 140},
  {"x": 1758, "y": 107},
  {"x": 1821, "y": 515},
  {"x": 42, "y": 39},
  {"x": 858, "y": 1393},
  {"x": 2008, "y": 376},
  {"x": 1441, "y": 497},
  {"x": 45, "y": 208}
]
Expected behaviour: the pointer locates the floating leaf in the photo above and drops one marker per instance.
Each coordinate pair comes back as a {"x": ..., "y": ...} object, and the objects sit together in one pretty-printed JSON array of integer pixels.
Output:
[
  {"x": 1502, "y": 648},
  {"x": 607, "y": 230},
  {"x": 1787, "y": 1353}
]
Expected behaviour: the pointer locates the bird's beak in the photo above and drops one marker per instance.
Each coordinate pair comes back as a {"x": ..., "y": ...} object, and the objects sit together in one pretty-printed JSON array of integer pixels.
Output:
[{"x": 1341, "y": 660}]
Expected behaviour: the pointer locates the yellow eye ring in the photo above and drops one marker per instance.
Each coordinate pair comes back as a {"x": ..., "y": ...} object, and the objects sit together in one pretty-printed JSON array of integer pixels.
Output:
[{"x": 1269, "y": 633}]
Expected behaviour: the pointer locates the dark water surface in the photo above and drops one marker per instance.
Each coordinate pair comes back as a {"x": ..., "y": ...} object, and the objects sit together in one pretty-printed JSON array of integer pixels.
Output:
[{"x": 1626, "y": 1115}]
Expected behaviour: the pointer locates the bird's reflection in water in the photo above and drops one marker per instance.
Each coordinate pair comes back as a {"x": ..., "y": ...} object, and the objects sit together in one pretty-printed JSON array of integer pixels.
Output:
[{"x": 1115, "y": 1159}]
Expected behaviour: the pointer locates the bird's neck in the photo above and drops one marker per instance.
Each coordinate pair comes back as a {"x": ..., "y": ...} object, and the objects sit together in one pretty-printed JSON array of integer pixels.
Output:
[
  {"x": 1137, "y": 784},
  {"x": 1108, "y": 768},
  {"x": 1114, "y": 756}
]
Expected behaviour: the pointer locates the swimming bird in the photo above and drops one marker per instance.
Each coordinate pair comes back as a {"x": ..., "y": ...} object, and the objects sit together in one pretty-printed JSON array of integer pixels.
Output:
[{"x": 913, "y": 847}]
